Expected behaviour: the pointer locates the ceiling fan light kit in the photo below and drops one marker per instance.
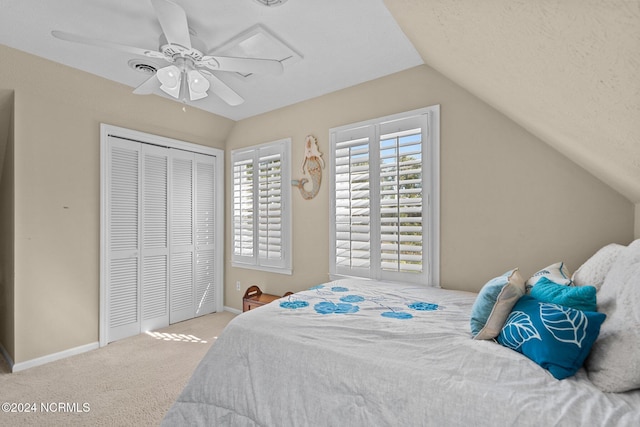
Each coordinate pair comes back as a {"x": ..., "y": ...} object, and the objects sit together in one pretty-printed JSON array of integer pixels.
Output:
[
  {"x": 198, "y": 85},
  {"x": 176, "y": 80},
  {"x": 189, "y": 71}
]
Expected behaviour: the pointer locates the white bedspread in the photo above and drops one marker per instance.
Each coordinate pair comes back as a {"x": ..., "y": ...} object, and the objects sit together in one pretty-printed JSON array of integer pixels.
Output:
[{"x": 362, "y": 353}]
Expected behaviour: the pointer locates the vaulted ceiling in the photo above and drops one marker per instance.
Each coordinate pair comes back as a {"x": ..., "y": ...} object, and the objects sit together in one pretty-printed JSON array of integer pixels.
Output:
[{"x": 566, "y": 70}]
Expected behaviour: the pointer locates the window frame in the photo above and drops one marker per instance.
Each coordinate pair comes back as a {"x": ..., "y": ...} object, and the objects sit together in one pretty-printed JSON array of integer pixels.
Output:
[
  {"x": 282, "y": 265},
  {"x": 430, "y": 153}
]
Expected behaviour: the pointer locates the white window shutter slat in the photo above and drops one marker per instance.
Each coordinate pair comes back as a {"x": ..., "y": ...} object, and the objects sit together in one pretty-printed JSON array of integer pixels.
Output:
[{"x": 243, "y": 205}]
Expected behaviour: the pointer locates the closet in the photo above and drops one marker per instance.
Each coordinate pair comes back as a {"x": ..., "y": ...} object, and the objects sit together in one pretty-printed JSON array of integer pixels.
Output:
[{"x": 161, "y": 240}]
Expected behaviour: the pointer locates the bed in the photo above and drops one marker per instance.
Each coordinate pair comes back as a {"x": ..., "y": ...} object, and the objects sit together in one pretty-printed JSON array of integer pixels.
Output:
[{"x": 367, "y": 353}]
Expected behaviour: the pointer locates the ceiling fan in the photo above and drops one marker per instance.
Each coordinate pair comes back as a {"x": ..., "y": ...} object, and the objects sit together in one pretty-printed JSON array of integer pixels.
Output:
[{"x": 189, "y": 75}]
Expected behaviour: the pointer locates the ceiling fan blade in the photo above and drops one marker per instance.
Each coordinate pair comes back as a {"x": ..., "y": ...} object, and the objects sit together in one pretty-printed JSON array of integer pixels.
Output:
[
  {"x": 242, "y": 65},
  {"x": 224, "y": 92},
  {"x": 101, "y": 43},
  {"x": 148, "y": 87},
  {"x": 173, "y": 21}
]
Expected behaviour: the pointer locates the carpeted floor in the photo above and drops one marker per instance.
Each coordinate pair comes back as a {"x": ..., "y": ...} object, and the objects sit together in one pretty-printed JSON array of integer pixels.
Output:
[{"x": 131, "y": 382}]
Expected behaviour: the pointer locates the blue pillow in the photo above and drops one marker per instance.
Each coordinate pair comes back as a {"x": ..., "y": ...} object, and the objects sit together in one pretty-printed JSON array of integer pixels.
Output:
[
  {"x": 557, "y": 338},
  {"x": 494, "y": 303},
  {"x": 578, "y": 297}
]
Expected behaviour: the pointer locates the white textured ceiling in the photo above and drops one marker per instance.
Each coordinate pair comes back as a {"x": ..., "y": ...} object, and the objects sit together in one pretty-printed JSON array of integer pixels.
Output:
[
  {"x": 567, "y": 70},
  {"x": 342, "y": 42}
]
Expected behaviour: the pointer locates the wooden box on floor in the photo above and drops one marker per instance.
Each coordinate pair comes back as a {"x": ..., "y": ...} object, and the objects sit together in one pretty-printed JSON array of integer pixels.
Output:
[{"x": 254, "y": 297}]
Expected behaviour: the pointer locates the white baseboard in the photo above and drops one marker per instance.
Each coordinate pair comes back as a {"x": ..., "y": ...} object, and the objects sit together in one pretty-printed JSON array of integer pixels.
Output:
[
  {"x": 53, "y": 357},
  {"x": 232, "y": 310}
]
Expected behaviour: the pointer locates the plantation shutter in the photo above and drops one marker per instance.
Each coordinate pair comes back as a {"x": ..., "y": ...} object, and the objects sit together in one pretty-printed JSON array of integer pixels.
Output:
[
  {"x": 243, "y": 208},
  {"x": 384, "y": 222},
  {"x": 261, "y": 220},
  {"x": 270, "y": 250},
  {"x": 353, "y": 202},
  {"x": 401, "y": 196}
]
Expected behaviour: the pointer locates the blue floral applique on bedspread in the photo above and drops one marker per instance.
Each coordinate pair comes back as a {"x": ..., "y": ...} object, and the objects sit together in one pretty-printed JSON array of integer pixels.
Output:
[
  {"x": 328, "y": 307},
  {"x": 294, "y": 304},
  {"x": 332, "y": 302}
]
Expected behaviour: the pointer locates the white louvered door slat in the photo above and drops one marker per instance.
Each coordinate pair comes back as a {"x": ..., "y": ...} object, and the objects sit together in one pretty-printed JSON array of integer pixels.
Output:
[
  {"x": 123, "y": 265},
  {"x": 182, "y": 245},
  {"x": 155, "y": 248},
  {"x": 205, "y": 236}
]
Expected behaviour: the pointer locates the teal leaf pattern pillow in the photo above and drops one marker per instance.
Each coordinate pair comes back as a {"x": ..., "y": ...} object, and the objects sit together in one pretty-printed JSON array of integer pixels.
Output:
[
  {"x": 520, "y": 329},
  {"x": 555, "y": 337}
]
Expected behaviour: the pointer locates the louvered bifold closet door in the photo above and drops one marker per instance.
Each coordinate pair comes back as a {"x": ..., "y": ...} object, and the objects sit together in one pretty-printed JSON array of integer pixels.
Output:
[
  {"x": 205, "y": 237},
  {"x": 155, "y": 239},
  {"x": 182, "y": 236},
  {"x": 123, "y": 219}
]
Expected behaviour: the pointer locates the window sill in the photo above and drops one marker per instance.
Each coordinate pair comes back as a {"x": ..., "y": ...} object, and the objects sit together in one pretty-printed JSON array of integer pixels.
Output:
[{"x": 277, "y": 270}]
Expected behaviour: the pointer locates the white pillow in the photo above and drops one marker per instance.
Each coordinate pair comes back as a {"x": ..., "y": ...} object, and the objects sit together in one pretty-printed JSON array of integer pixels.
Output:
[
  {"x": 595, "y": 269},
  {"x": 614, "y": 362},
  {"x": 556, "y": 273}
]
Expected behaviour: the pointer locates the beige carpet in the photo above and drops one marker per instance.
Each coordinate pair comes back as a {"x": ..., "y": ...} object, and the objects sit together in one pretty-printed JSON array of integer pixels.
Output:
[{"x": 131, "y": 382}]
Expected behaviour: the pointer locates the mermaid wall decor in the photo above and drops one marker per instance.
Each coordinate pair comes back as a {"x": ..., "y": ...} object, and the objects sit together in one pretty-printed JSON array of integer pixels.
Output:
[{"x": 313, "y": 165}]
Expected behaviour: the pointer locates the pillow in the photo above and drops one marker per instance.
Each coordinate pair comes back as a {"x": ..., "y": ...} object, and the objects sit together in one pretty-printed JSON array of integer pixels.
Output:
[
  {"x": 556, "y": 273},
  {"x": 614, "y": 363},
  {"x": 557, "y": 338},
  {"x": 494, "y": 303},
  {"x": 581, "y": 297},
  {"x": 595, "y": 269}
]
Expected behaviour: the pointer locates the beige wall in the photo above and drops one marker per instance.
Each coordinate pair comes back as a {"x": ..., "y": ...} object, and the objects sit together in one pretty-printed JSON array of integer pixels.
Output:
[
  {"x": 6, "y": 222},
  {"x": 57, "y": 191},
  {"x": 507, "y": 199}
]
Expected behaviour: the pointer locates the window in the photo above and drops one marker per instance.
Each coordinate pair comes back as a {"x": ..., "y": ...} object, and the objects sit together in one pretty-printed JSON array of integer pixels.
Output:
[
  {"x": 385, "y": 201},
  {"x": 261, "y": 207}
]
